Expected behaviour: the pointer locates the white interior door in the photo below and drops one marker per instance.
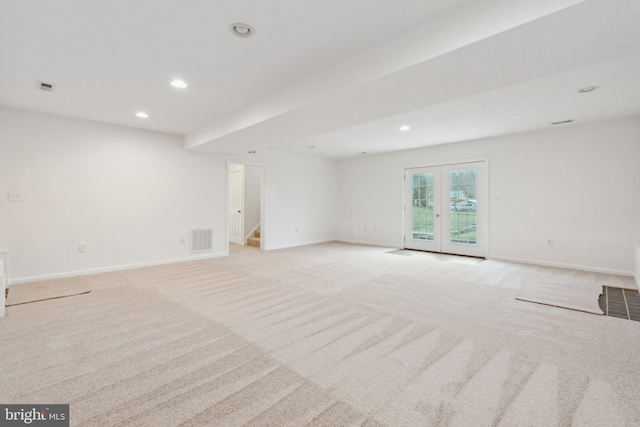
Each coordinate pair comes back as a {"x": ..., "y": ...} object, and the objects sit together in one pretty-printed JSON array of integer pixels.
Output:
[
  {"x": 236, "y": 207},
  {"x": 446, "y": 209}
]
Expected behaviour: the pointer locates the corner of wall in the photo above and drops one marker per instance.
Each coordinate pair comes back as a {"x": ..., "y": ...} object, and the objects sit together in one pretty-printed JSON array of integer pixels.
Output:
[{"x": 637, "y": 275}]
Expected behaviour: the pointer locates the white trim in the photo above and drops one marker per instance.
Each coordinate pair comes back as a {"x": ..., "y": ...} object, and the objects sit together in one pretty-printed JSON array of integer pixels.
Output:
[
  {"x": 562, "y": 265},
  {"x": 536, "y": 262},
  {"x": 3, "y": 287},
  {"x": 246, "y": 163},
  {"x": 449, "y": 163},
  {"x": 487, "y": 194},
  {"x": 369, "y": 243},
  {"x": 112, "y": 269},
  {"x": 295, "y": 245},
  {"x": 241, "y": 211},
  {"x": 637, "y": 264},
  {"x": 263, "y": 205},
  {"x": 263, "y": 197},
  {"x": 608, "y": 271},
  {"x": 5, "y": 258}
]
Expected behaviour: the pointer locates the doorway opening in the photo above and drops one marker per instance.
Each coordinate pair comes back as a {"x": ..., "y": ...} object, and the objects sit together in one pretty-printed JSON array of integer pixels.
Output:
[
  {"x": 446, "y": 209},
  {"x": 245, "y": 206}
]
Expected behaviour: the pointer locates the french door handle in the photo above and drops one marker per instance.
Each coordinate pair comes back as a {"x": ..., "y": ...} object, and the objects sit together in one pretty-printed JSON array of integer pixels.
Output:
[{"x": 437, "y": 215}]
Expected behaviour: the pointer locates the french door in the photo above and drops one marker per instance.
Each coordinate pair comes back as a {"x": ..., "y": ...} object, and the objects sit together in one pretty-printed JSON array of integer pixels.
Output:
[{"x": 446, "y": 209}]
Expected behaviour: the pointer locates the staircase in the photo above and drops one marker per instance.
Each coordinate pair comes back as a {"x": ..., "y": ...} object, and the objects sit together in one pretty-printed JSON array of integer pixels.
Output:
[{"x": 255, "y": 240}]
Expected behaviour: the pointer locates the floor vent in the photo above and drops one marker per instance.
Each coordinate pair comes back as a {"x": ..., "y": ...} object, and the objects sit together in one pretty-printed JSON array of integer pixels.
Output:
[
  {"x": 619, "y": 302},
  {"x": 201, "y": 239}
]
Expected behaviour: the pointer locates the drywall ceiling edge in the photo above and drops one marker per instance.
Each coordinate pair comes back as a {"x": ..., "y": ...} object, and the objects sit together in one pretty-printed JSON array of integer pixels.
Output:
[{"x": 479, "y": 20}]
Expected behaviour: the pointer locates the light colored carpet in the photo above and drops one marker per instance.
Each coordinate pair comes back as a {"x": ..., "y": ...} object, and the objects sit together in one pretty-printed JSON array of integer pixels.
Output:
[
  {"x": 325, "y": 335},
  {"x": 580, "y": 297},
  {"x": 438, "y": 256},
  {"x": 50, "y": 289},
  {"x": 563, "y": 291}
]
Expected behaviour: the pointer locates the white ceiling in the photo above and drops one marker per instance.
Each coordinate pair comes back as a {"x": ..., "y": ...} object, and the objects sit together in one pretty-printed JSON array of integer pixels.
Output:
[{"x": 341, "y": 76}]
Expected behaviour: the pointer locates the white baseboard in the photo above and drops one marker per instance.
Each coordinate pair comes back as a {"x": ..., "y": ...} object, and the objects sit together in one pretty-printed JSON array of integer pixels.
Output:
[
  {"x": 608, "y": 271},
  {"x": 369, "y": 243},
  {"x": 111, "y": 269},
  {"x": 562, "y": 265},
  {"x": 295, "y": 245}
]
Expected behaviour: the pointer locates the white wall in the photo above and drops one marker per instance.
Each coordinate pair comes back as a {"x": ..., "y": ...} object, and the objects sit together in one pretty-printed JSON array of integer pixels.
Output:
[
  {"x": 300, "y": 198},
  {"x": 578, "y": 185},
  {"x": 127, "y": 194},
  {"x": 130, "y": 194}
]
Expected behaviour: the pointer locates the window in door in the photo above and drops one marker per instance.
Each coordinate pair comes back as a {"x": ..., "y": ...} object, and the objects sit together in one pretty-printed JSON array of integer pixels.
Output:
[
  {"x": 422, "y": 206},
  {"x": 446, "y": 208},
  {"x": 462, "y": 206}
]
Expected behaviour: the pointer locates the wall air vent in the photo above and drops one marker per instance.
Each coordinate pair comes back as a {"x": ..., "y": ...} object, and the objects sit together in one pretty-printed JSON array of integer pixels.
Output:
[
  {"x": 562, "y": 122},
  {"x": 201, "y": 239},
  {"x": 47, "y": 87}
]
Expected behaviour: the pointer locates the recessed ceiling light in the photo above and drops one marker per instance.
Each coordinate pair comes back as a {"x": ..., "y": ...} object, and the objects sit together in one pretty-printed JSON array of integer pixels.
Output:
[
  {"x": 241, "y": 30},
  {"x": 362, "y": 153},
  {"x": 311, "y": 146},
  {"x": 403, "y": 128},
  {"x": 142, "y": 115},
  {"x": 179, "y": 84},
  {"x": 588, "y": 89}
]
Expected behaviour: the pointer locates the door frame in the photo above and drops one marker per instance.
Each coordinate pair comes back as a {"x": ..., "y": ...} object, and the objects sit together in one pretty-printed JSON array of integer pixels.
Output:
[
  {"x": 483, "y": 189},
  {"x": 241, "y": 207},
  {"x": 263, "y": 212},
  {"x": 435, "y": 244}
]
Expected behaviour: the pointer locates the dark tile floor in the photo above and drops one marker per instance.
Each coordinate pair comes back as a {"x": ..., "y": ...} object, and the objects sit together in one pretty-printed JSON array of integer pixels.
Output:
[{"x": 622, "y": 303}]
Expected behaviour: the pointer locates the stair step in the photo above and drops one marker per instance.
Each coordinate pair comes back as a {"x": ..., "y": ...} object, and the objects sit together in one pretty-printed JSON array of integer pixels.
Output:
[
  {"x": 257, "y": 233},
  {"x": 253, "y": 241}
]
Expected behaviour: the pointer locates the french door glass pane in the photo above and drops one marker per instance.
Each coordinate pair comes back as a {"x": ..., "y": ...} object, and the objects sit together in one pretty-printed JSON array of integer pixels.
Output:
[
  {"x": 463, "y": 207},
  {"x": 422, "y": 206}
]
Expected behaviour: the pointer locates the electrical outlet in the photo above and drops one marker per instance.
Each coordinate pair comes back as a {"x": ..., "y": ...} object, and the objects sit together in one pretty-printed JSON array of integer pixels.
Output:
[
  {"x": 14, "y": 197},
  {"x": 82, "y": 247},
  {"x": 296, "y": 229},
  {"x": 181, "y": 239},
  {"x": 549, "y": 242}
]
